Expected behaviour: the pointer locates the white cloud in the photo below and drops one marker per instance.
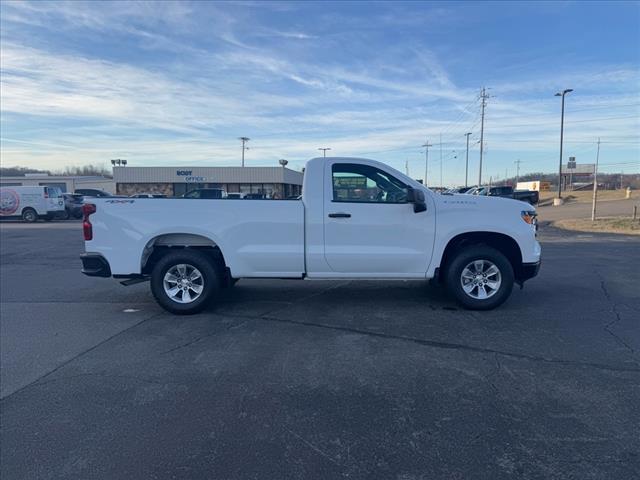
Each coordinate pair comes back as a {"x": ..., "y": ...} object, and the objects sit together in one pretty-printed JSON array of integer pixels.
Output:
[{"x": 245, "y": 78}]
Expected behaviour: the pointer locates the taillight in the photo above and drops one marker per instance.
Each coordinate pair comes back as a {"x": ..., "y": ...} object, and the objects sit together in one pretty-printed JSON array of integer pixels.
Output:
[{"x": 87, "y": 228}]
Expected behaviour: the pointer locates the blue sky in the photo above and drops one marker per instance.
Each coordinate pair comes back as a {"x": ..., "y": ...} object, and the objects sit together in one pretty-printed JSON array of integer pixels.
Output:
[{"x": 177, "y": 83}]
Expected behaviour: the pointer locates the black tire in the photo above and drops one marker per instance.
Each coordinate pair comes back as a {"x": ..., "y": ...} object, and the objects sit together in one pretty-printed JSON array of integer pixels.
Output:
[
  {"x": 198, "y": 260},
  {"x": 65, "y": 215},
  {"x": 29, "y": 215},
  {"x": 465, "y": 258}
]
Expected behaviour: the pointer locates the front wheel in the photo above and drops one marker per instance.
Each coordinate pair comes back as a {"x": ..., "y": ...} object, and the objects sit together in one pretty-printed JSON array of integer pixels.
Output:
[
  {"x": 184, "y": 282},
  {"x": 479, "y": 277}
]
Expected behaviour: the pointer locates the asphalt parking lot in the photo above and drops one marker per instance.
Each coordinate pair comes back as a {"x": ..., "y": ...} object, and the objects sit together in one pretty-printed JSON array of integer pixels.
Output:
[{"x": 291, "y": 379}]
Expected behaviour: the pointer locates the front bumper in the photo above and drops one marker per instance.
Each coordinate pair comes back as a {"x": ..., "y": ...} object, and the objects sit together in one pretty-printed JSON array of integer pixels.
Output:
[
  {"x": 95, "y": 265},
  {"x": 528, "y": 270}
]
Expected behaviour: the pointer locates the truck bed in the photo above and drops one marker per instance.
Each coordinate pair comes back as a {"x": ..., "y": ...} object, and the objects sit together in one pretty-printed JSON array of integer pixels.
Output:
[{"x": 259, "y": 238}]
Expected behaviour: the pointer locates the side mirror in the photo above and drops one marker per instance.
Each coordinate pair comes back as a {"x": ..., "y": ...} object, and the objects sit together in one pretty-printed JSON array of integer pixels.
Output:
[{"x": 418, "y": 199}]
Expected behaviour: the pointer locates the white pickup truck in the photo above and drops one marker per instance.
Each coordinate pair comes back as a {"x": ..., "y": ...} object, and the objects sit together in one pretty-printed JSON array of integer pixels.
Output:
[{"x": 357, "y": 219}]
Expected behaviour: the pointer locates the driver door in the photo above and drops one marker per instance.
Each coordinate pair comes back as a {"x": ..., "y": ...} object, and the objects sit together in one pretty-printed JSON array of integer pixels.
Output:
[{"x": 370, "y": 227}]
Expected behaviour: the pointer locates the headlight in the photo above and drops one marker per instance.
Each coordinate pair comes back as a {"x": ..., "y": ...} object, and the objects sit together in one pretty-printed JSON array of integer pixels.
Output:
[{"x": 530, "y": 217}]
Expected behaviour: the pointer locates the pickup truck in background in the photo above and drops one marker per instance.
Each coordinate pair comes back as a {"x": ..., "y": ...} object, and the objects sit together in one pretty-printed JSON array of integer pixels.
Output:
[
  {"x": 529, "y": 196},
  {"x": 357, "y": 219}
]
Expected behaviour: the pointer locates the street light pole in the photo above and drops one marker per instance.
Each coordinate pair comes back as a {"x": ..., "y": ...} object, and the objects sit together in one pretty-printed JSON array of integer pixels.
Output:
[
  {"x": 483, "y": 98},
  {"x": 441, "y": 161},
  {"x": 466, "y": 167},
  {"x": 426, "y": 161},
  {"x": 324, "y": 152},
  {"x": 244, "y": 141},
  {"x": 561, "y": 94},
  {"x": 595, "y": 185}
]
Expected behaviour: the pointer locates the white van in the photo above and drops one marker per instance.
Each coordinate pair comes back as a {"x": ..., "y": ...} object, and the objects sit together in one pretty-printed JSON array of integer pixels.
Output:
[{"x": 31, "y": 203}]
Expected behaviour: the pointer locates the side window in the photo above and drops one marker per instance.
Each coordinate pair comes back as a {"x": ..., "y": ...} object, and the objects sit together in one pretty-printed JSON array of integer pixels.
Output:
[
  {"x": 362, "y": 183},
  {"x": 53, "y": 192}
]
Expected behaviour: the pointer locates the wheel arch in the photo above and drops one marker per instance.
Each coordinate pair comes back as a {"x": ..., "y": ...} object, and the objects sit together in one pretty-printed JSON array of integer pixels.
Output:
[
  {"x": 505, "y": 244},
  {"x": 159, "y": 245}
]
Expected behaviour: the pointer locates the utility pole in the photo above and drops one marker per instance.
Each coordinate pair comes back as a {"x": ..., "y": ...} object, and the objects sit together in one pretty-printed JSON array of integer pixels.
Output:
[
  {"x": 595, "y": 185},
  {"x": 324, "y": 152},
  {"x": 406, "y": 167},
  {"x": 561, "y": 94},
  {"x": 517, "y": 162},
  {"x": 426, "y": 145},
  {"x": 466, "y": 167},
  {"x": 244, "y": 147},
  {"x": 441, "y": 161},
  {"x": 483, "y": 96}
]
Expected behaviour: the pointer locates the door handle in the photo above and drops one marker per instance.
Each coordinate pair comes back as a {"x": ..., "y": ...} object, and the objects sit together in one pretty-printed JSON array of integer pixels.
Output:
[{"x": 339, "y": 215}]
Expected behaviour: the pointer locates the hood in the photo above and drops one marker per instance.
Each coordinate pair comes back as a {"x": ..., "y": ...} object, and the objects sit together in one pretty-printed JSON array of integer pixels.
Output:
[{"x": 461, "y": 201}]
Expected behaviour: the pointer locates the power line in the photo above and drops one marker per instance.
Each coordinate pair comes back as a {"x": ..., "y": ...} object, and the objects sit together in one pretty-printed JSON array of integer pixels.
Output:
[
  {"x": 459, "y": 120},
  {"x": 527, "y": 140},
  {"x": 512, "y": 125}
]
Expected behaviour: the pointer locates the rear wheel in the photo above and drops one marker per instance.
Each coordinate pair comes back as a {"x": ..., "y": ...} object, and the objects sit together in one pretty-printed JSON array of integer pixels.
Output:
[
  {"x": 29, "y": 215},
  {"x": 479, "y": 277},
  {"x": 184, "y": 282}
]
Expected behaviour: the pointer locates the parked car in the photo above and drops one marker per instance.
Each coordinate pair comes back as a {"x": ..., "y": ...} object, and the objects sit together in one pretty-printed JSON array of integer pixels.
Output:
[
  {"x": 255, "y": 196},
  {"x": 206, "y": 193},
  {"x": 148, "y": 195},
  {"x": 358, "y": 219},
  {"x": 72, "y": 206},
  {"x": 529, "y": 196},
  {"x": 235, "y": 195},
  {"x": 452, "y": 191},
  {"x": 31, "y": 203},
  {"x": 93, "y": 192}
]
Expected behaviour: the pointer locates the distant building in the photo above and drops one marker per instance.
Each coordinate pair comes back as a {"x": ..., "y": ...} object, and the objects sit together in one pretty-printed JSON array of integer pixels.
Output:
[
  {"x": 67, "y": 183},
  {"x": 273, "y": 182}
]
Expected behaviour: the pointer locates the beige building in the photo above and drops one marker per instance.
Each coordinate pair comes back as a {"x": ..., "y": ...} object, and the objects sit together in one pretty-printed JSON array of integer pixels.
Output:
[
  {"x": 66, "y": 183},
  {"x": 273, "y": 182}
]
